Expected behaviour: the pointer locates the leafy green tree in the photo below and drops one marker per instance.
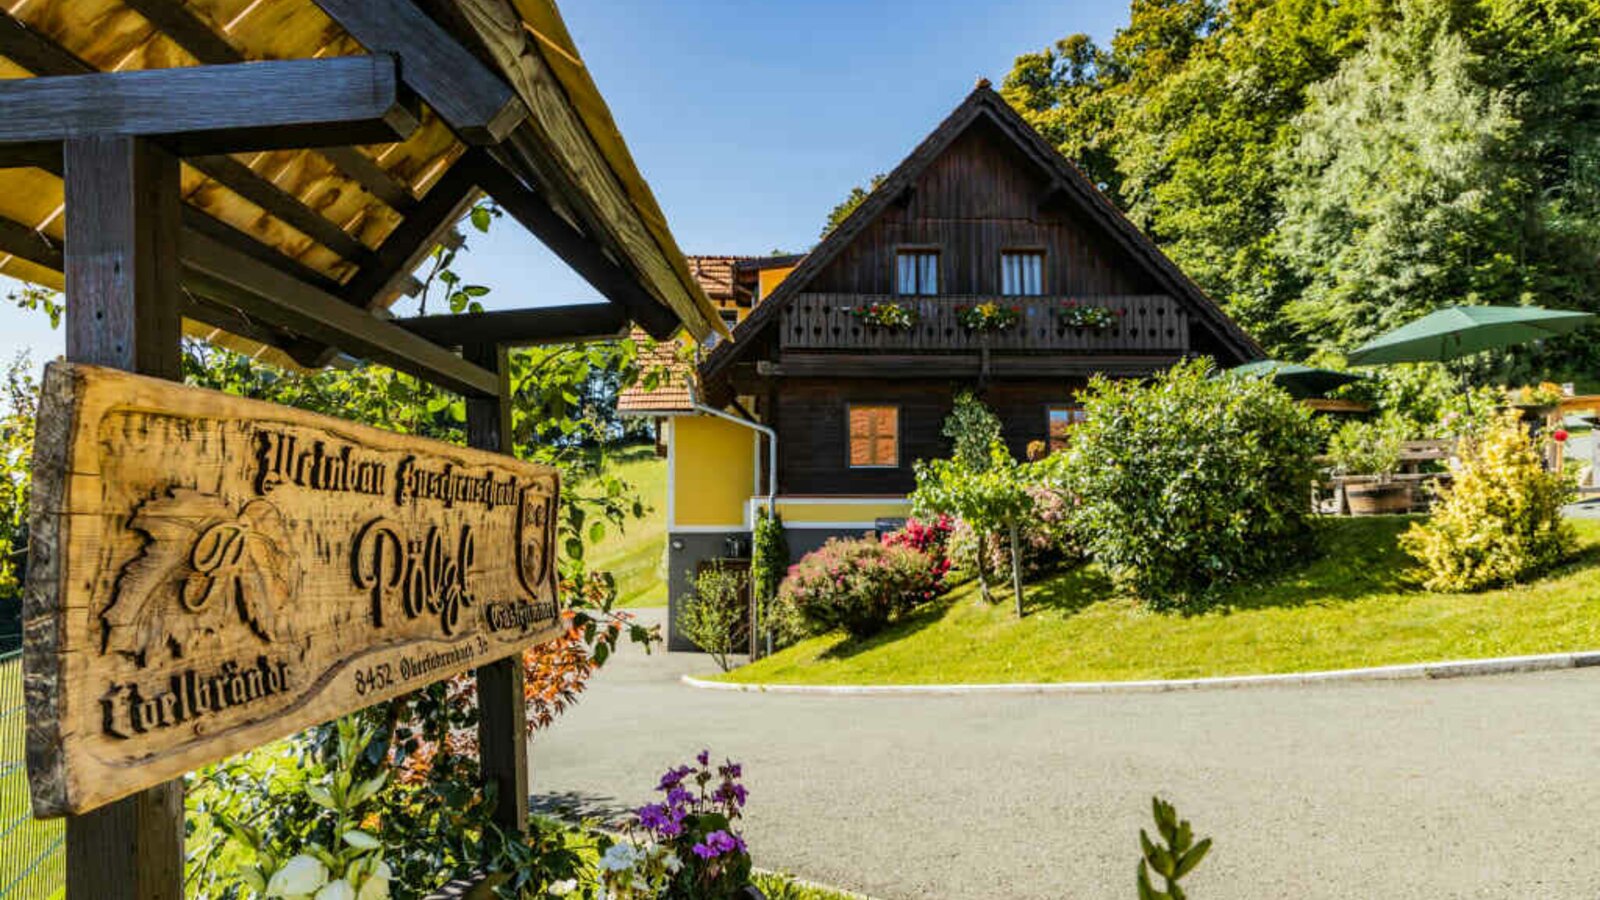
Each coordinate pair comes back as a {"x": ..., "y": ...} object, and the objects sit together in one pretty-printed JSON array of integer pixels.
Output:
[
  {"x": 19, "y": 398},
  {"x": 855, "y": 198},
  {"x": 992, "y": 498},
  {"x": 972, "y": 428},
  {"x": 1398, "y": 197}
]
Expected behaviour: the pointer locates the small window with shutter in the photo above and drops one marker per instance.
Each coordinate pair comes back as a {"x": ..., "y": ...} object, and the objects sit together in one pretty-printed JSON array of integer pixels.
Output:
[
  {"x": 874, "y": 436},
  {"x": 1022, "y": 273}
]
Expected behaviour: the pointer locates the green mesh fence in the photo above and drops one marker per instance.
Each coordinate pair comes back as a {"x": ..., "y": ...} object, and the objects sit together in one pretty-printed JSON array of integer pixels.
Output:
[{"x": 31, "y": 851}]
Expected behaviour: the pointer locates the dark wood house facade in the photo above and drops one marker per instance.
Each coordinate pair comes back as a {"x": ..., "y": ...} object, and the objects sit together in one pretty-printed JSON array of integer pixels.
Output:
[{"x": 982, "y": 212}]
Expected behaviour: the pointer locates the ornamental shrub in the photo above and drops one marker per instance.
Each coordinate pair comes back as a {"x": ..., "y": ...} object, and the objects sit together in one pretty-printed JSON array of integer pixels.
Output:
[
  {"x": 715, "y": 615},
  {"x": 858, "y": 585},
  {"x": 1188, "y": 482},
  {"x": 930, "y": 538},
  {"x": 1500, "y": 520}
]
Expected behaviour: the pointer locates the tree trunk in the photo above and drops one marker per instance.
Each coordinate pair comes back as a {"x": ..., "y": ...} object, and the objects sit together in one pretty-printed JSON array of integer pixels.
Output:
[
  {"x": 983, "y": 570},
  {"x": 1016, "y": 568}
]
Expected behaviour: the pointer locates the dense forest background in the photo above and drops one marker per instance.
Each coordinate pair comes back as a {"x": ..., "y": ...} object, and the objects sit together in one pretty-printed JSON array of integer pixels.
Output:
[{"x": 1331, "y": 169}]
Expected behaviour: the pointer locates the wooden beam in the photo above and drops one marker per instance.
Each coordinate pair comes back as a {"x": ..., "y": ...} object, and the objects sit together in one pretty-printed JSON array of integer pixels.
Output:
[
  {"x": 218, "y": 109},
  {"x": 400, "y": 253},
  {"x": 502, "y": 705},
  {"x": 198, "y": 221},
  {"x": 121, "y": 269},
  {"x": 21, "y": 241},
  {"x": 522, "y": 327},
  {"x": 476, "y": 103},
  {"x": 234, "y": 279},
  {"x": 35, "y": 52},
  {"x": 284, "y": 206},
  {"x": 184, "y": 28},
  {"x": 122, "y": 311},
  {"x": 555, "y": 130},
  {"x": 584, "y": 254},
  {"x": 958, "y": 365}
]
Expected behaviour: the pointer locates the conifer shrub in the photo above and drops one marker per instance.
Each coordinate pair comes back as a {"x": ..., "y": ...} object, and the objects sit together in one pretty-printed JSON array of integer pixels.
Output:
[{"x": 1500, "y": 519}]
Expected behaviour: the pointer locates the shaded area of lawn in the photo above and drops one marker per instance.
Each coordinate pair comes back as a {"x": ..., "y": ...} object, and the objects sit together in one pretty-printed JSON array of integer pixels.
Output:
[
  {"x": 633, "y": 554},
  {"x": 1351, "y": 607}
]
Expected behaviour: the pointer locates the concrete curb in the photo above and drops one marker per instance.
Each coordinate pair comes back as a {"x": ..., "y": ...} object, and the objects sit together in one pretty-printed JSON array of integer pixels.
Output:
[{"x": 1464, "y": 668}]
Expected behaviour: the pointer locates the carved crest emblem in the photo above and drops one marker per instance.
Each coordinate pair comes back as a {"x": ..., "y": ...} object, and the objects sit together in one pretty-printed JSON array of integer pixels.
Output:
[
  {"x": 536, "y": 549},
  {"x": 203, "y": 569}
]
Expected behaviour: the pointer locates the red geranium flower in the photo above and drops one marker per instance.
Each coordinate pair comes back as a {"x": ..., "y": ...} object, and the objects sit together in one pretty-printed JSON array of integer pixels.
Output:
[{"x": 1559, "y": 435}]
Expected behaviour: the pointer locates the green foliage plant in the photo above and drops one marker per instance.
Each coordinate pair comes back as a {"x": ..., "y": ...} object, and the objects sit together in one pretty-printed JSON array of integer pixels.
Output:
[
  {"x": 1369, "y": 448},
  {"x": 1173, "y": 858},
  {"x": 993, "y": 500},
  {"x": 1500, "y": 519},
  {"x": 19, "y": 400},
  {"x": 1186, "y": 483},
  {"x": 769, "y": 561},
  {"x": 714, "y": 615},
  {"x": 338, "y": 858},
  {"x": 970, "y": 428},
  {"x": 858, "y": 585}
]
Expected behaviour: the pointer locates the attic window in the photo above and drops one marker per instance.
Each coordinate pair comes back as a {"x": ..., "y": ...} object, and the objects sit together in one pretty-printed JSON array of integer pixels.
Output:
[
  {"x": 916, "y": 272},
  {"x": 1022, "y": 273}
]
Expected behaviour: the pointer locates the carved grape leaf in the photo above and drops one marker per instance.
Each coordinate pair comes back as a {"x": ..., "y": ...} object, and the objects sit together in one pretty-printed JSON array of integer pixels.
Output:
[{"x": 202, "y": 568}]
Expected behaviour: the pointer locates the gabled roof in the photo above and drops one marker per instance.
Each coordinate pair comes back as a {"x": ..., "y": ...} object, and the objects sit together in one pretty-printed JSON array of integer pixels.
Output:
[
  {"x": 674, "y": 393},
  {"x": 984, "y": 103}
]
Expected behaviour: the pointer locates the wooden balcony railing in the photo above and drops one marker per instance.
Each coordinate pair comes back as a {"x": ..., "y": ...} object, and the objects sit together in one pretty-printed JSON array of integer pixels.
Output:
[{"x": 1148, "y": 322}]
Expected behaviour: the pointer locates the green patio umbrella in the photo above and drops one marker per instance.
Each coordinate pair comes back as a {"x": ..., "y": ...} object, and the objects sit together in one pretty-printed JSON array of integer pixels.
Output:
[
  {"x": 1300, "y": 381},
  {"x": 1464, "y": 330}
]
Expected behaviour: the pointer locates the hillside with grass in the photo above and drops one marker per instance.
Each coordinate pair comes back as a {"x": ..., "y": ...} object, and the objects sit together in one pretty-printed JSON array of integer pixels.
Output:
[
  {"x": 1352, "y": 607},
  {"x": 634, "y": 553}
]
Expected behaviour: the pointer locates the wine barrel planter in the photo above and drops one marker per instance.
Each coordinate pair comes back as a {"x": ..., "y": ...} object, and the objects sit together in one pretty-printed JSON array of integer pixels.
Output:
[{"x": 1376, "y": 498}]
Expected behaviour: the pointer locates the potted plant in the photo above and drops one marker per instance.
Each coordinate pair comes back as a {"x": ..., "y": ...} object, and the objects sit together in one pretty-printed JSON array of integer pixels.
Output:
[
  {"x": 988, "y": 316},
  {"x": 1370, "y": 451},
  {"x": 892, "y": 316},
  {"x": 1080, "y": 315}
]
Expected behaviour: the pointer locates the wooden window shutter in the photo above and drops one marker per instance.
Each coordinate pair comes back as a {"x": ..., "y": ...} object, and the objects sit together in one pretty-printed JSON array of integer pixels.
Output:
[{"x": 874, "y": 435}]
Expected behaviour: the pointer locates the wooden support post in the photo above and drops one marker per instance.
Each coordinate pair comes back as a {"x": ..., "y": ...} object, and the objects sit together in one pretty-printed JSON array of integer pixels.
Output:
[
  {"x": 502, "y": 708},
  {"x": 121, "y": 269}
]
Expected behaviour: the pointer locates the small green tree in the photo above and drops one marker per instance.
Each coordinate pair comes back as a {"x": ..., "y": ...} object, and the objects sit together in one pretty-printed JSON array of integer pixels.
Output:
[
  {"x": 992, "y": 500},
  {"x": 972, "y": 429},
  {"x": 769, "y": 560},
  {"x": 714, "y": 615}
]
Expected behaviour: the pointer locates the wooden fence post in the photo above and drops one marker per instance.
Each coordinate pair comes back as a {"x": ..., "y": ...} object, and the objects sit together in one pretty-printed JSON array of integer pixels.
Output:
[
  {"x": 121, "y": 266},
  {"x": 502, "y": 708}
]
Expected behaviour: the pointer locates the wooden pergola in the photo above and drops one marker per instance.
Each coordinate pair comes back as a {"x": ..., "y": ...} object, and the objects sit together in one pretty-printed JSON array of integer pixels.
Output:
[{"x": 267, "y": 174}]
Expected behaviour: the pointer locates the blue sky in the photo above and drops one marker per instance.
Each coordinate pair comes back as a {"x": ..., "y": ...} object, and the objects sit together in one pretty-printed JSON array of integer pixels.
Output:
[{"x": 752, "y": 118}]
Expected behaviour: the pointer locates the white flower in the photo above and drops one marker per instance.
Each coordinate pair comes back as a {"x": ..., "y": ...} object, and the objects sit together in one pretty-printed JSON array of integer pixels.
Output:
[
  {"x": 301, "y": 875},
  {"x": 338, "y": 889},
  {"x": 672, "y": 862},
  {"x": 619, "y": 857},
  {"x": 563, "y": 888}
]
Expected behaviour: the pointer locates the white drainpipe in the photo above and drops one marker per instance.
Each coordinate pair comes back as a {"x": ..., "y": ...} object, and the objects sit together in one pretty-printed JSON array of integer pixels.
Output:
[{"x": 772, "y": 450}]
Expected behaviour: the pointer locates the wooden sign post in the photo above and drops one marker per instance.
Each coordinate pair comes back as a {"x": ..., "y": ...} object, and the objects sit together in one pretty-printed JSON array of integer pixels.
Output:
[{"x": 219, "y": 572}]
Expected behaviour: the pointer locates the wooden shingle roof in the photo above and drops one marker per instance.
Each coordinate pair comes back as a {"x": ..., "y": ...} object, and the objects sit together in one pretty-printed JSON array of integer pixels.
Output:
[
  {"x": 353, "y": 221},
  {"x": 982, "y": 103}
]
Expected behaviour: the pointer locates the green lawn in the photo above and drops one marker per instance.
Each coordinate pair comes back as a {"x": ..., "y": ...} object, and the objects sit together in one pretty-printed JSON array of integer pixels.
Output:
[
  {"x": 1350, "y": 608},
  {"x": 634, "y": 554},
  {"x": 31, "y": 854}
]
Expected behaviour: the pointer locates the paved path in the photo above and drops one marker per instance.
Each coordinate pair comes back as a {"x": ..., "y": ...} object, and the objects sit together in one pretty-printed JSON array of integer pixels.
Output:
[{"x": 1479, "y": 787}]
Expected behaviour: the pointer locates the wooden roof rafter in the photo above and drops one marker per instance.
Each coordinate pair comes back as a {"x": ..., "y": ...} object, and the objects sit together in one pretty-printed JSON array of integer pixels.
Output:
[{"x": 342, "y": 224}]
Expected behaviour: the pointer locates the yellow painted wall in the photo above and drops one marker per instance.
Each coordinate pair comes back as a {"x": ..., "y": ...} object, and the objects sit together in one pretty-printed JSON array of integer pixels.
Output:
[
  {"x": 767, "y": 280},
  {"x": 713, "y": 471},
  {"x": 797, "y": 511}
]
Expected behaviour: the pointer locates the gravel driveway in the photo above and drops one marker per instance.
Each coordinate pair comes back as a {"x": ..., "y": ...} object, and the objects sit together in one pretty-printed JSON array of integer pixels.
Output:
[{"x": 1477, "y": 787}]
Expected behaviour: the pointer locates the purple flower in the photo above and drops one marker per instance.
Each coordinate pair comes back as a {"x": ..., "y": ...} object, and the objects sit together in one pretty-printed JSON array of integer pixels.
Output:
[
  {"x": 673, "y": 777},
  {"x": 679, "y": 797},
  {"x": 717, "y": 843},
  {"x": 704, "y": 757},
  {"x": 654, "y": 816}
]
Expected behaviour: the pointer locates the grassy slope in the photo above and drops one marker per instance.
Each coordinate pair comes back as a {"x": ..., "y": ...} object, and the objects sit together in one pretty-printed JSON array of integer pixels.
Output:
[
  {"x": 31, "y": 837},
  {"x": 1352, "y": 607},
  {"x": 634, "y": 553}
]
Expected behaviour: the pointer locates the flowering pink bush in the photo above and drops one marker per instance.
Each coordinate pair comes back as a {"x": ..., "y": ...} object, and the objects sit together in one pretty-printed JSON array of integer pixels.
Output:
[
  {"x": 930, "y": 539},
  {"x": 1047, "y": 542},
  {"x": 858, "y": 585}
]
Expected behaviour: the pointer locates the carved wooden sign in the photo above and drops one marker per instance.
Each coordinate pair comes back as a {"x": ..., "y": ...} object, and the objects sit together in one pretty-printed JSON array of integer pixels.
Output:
[{"x": 210, "y": 573}]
